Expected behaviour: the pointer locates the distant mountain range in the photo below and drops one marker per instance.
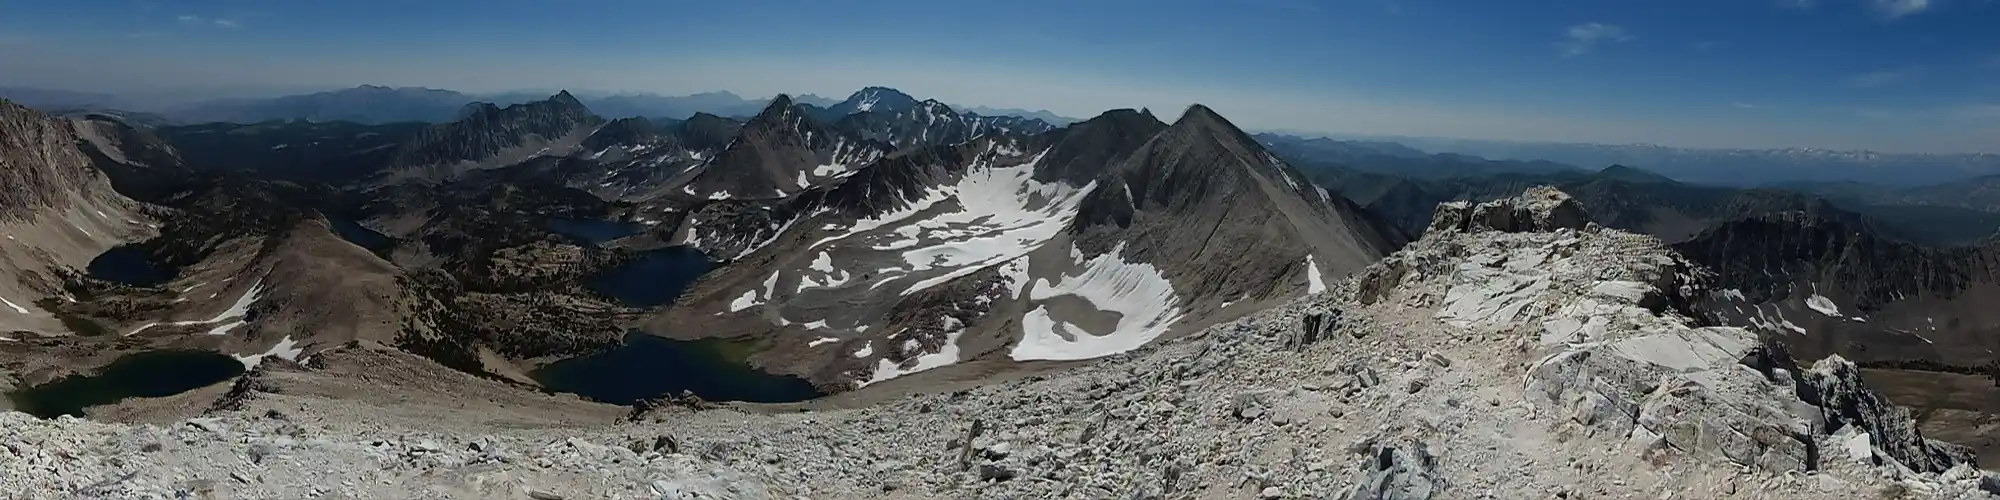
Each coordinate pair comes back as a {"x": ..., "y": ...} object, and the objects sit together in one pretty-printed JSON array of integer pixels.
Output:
[
  {"x": 1732, "y": 167},
  {"x": 373, "y": 104}
]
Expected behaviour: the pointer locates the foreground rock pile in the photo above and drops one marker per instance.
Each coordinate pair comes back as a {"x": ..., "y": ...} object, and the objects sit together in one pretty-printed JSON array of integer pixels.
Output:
[{"x": 1513, "y": 354}]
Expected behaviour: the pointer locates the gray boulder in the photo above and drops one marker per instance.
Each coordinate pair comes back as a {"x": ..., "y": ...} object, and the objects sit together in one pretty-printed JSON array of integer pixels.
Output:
[{"x": 1398, "y": 470}]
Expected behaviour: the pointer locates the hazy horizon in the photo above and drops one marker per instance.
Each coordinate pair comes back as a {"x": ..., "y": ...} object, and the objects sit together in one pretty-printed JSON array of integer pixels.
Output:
[{"x": 1883, "y": 75}]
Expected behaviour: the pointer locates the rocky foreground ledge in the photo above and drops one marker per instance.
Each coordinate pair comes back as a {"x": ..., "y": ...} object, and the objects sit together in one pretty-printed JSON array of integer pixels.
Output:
[{"x": 1513, "y": 352}]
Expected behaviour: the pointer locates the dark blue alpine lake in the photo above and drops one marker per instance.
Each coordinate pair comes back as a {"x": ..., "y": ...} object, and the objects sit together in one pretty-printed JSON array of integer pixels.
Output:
[
  {"x": 649, "y": 366},
  {"x": 148, "y": 374}
]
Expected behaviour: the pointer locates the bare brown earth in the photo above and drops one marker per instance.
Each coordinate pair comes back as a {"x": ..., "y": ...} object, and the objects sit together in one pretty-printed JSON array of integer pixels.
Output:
[{"x": 1955, "y": 408}]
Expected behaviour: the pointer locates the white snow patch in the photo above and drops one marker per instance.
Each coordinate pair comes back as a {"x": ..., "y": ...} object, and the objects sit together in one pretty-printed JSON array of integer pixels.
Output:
[
  {"x": 824, "y": 263},
  {"x": 237, "y": 311},
  {"x": 814, "y": 325},
  {"x": 1316, "y": 285},
  {"x": 822, "y": 341},
  {"x": 11, "y": 305},
  {"x": 1143, "y": 298},
  {"x": 867, "y": 349},
  {"x": 719, "y": 195},
  {"x": 693, "y": 237},
  {"x": 746, "y": 301},
  {"x": 947, "y": 355},
  {"x": 1005, "y": 215},
  {"x": 280, "y": 146},
  {"x": 828, "y": 169},
  {"x": 286, "y": 348},
  {"x": 1733, "y": 294},
  {"x": 1822, "y": 304}
]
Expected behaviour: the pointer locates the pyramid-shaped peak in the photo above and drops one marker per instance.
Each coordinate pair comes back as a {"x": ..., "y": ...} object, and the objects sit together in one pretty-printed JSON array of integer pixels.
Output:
[
  {"x": 1200, "y": 119},
  {"x": 780, "y": 103},
  {"x": 564, "y": 97},
  {"x": 1199, "y": 114}
]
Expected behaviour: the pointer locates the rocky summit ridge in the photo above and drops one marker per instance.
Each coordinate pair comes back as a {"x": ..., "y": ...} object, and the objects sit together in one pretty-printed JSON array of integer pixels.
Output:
[{"x": 1512, "y": 352}]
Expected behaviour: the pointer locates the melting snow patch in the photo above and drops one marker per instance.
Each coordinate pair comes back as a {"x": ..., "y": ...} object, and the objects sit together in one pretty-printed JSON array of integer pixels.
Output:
[
  {"x": 238, "y": 311},
  {"x": 867, "y": 349},
  {"x": 1822, "y": 304},
  {"x": 1143, "y": 298},
  {"x": 286, "y": 348},
  {"x": 10, "y": 305},
  {"x": 746, "y": 301},
  {"x": 1317, "y": 285},
  {"x": 822, "y": 341},
  {"x": 719, "y": 195},
  {"x": 947, "y": 355},
  {"x": 1005, "y": 214}
]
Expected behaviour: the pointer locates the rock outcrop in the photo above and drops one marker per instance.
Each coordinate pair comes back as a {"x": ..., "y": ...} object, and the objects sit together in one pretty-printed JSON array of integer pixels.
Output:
[{"x": 1619, "y": 357}]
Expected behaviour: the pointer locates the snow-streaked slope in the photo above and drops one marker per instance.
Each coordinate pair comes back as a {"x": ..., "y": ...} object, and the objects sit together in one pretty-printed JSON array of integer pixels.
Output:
[
  {"x": 1144, "y": 300},
  {"x": 237, "y": 311}
]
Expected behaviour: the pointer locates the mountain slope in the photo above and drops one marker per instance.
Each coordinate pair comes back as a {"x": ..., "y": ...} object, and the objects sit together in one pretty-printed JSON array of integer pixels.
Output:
[
  {"x": 488, "y": 136},
  {"x": 1638, "y": 201},
  {"x": 1061, "y": 246},
  {"x": 1825, "y": 285},
  {"x": 890, "y": 116},
  {"x": 56, "y": 211},
  {"x": 332, "y": 152},
  {"x": 779, "y": 152}
]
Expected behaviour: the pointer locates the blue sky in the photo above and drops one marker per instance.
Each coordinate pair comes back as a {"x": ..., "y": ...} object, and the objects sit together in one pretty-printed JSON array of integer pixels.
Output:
[{"x": 1892, "y": 75}]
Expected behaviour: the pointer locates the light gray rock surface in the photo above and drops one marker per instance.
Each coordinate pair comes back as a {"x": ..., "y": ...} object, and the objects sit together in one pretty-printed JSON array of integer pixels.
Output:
[{"x": 1585, "y": 390}]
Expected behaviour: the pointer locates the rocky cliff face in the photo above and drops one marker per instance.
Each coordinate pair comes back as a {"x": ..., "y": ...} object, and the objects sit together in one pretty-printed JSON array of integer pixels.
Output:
[
  {"x": 1825, "y": 285},
  {"x": 57, "y": 211},
  {"x": 489, "y": 136},
  {"x": 1500, "y": 361}
]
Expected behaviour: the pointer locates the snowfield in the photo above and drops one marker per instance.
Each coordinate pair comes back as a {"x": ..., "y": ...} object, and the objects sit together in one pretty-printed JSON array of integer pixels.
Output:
[{"x": 1143, "y": 298}]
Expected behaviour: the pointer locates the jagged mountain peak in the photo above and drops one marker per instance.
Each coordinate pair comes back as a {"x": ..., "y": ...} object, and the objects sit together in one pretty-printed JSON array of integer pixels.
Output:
[
  {"x": 781, "y": 103},
  {"x": 487, "y": 136},
  {"x": 880, "y": 99},
  {"x": 1084, "y": 150},
  {"x": 564, "y": 98}
]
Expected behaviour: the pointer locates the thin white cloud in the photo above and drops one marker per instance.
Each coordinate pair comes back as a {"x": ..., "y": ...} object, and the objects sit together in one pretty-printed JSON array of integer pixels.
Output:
[
  {"x": 189, "y": 18},
  {"x": 1899, "y": 8},
  {"x": 1743, "y": 105},
  {"x": 1880, "y": 79},
  {"x": 1799, "y": 4},
  {"x": 225, "y": 23},
  {"x": 1583, "y": 38}
]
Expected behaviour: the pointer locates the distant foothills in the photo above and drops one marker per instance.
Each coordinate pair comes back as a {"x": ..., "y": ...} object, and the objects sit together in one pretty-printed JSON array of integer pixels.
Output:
[{"x": 1825, "y": 171}]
